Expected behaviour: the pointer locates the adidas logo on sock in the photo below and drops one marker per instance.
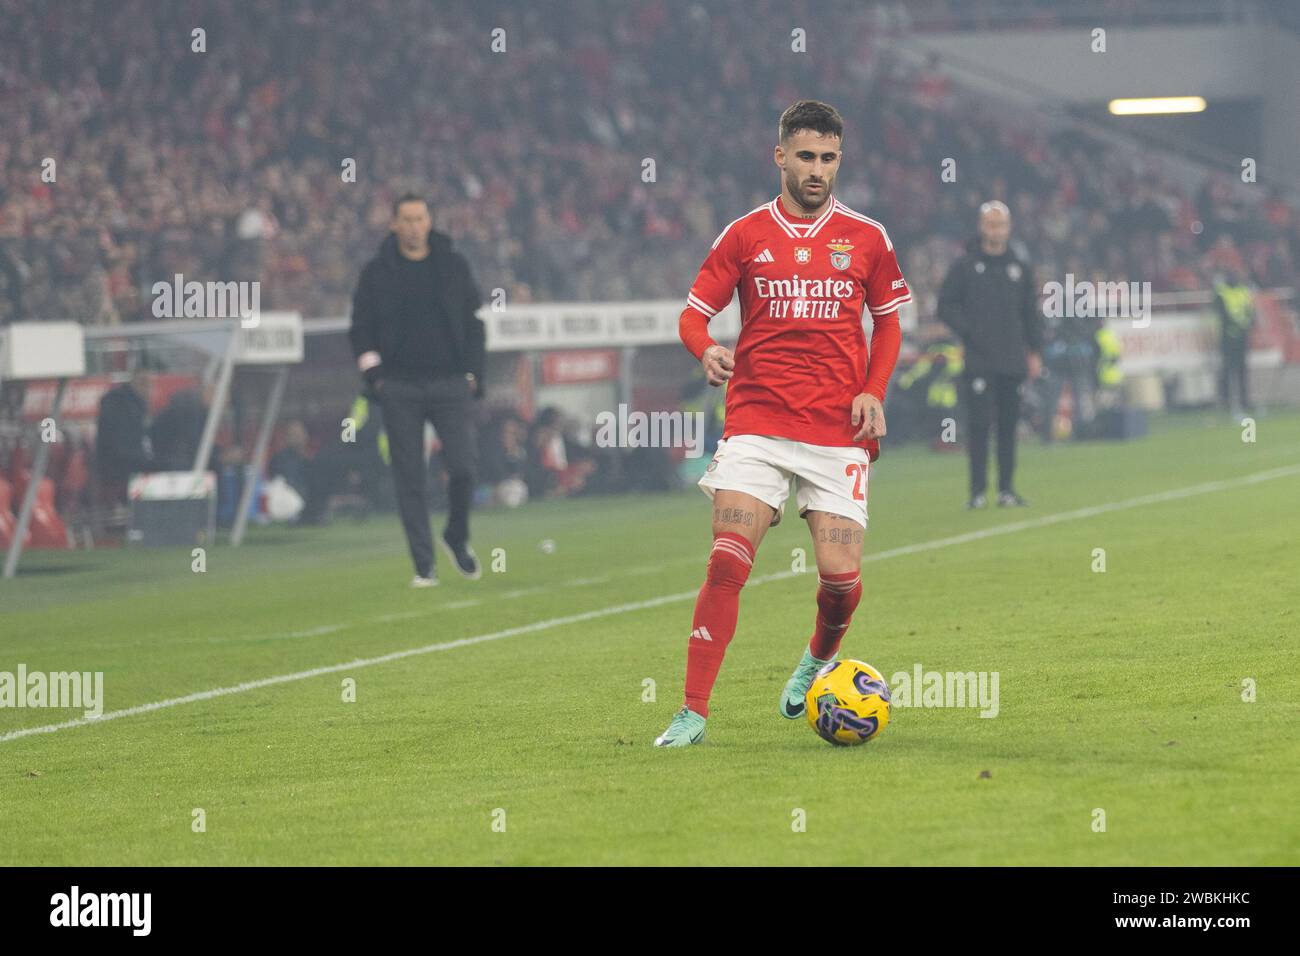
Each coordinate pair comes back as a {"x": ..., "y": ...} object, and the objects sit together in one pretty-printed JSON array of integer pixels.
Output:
[{"x": 702, "y": 633}]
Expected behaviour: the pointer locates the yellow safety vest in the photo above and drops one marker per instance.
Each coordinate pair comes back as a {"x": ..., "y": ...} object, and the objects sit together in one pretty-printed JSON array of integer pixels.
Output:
[
  {"x": 1238, "y": 303},
  {"x": 360, "y": 414},
  {"x": 942, "y": 392},
  {"x": 1108, "y": 352}
]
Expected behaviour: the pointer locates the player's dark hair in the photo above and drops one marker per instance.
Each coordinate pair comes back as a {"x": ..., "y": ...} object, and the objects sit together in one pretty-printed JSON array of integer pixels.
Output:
[
  {"x": 407, "y": 197},
  {"x": 811, "y": 114}
]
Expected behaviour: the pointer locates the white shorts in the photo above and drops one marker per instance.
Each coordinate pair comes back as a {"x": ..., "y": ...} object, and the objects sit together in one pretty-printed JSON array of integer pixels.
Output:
[{"x": 827, "y": 478}]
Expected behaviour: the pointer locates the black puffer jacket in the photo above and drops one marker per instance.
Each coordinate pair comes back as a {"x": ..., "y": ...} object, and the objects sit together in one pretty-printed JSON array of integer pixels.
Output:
[
  {"x": 992, "y": 303},
  {"x": 375, "y": 306},
  {"x": 120, "y": 449}
]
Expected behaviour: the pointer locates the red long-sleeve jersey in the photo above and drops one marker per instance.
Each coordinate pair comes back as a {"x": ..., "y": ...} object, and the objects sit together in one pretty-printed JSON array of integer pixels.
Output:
[{"x": 802, "y": 354}]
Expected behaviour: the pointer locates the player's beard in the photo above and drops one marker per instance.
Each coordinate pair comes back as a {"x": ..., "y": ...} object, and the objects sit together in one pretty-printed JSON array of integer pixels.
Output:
[{"x": 808, "y": 202}]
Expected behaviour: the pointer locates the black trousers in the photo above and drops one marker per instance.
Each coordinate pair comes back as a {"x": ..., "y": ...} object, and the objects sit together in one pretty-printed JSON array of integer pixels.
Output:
[
  {"x": 990, "y": 399},
  {"x": 448, "y": 403},
  {"x": 1232, "y": 371}
]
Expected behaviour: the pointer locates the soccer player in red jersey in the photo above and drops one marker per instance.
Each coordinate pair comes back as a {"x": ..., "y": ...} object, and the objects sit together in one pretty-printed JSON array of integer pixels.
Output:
[{"x": 805, "y": 396}]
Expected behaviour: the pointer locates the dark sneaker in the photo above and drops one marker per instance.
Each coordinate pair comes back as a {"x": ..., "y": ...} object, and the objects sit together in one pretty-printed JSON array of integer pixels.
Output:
[
  {"x": 1009, "y": 499},
  {"x": 976, "y": 502},
  {"x": 429, "y": 580},
  {"x": 464, "y": 558}
]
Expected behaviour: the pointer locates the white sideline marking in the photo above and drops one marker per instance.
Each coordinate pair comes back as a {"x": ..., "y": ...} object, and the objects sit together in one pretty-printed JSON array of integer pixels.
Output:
[{"x": 1161, "y": 496}]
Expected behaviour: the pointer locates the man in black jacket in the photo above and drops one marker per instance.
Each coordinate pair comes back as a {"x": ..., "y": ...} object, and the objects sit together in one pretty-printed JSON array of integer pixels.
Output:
[
  {"x": 121, "y": 437},
  {"x": 420, "y": 347},
  {"x": 991, "y": 301}
]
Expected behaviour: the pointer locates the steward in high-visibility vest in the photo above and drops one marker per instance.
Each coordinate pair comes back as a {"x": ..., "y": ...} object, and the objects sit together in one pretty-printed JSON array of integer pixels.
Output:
[
  {"x": 1109, "y": 375},
  {"x": 945, "y": 361},
  {"x": 1235, "y": 306},
  {"x": 927, "y": 392}
]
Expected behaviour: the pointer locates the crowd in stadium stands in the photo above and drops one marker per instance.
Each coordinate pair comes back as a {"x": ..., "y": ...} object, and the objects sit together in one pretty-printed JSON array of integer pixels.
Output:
[
  {"x": 229, "y": 163},
  {"x": 129, "y": 156}
]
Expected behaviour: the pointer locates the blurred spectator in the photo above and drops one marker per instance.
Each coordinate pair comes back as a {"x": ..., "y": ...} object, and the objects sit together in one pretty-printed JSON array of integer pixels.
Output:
[
  {"x": 504, "y": 465},
  {"x": 226, "y": 165},
  {"x": 551, "y": 473},
  {"x": 13, "y": 270},
  {"x": 1069, "y": 357},
  {"x": 547, "y": 456},
  {"x": 121, "y": 437},
  {"x": 177, "y": 431},
  {"x": 291, "y": 462}
]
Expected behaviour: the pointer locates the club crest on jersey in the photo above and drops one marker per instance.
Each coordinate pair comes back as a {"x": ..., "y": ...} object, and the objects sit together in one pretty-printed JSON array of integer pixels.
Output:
[
  {"x": 840, "y": 257},
  {"x": 802, "y": 255}
]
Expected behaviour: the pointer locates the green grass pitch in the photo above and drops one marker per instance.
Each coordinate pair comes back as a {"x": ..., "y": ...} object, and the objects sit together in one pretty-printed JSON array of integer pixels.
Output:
[{"x": 1120, "y": 692}]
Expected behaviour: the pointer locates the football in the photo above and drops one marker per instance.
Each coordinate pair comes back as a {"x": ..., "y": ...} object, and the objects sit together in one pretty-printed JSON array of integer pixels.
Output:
[{"x": 848, "y": 703}]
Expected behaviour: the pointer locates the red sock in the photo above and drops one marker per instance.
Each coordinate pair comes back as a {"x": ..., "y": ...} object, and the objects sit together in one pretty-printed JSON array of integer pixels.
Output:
[
  {"x": 715, "y": 616},
  {"x": 837, "y": 598}
]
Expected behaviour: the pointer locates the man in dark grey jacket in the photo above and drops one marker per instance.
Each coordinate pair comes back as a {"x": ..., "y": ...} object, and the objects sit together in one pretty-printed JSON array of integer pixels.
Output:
[
  {"x": 990, "y": 299},
  {"x": 420, "y": 347},
  {"x": 122, "y": 446}
]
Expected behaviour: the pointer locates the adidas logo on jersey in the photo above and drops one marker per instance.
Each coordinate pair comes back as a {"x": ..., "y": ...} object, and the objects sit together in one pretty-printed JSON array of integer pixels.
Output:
[{"x": 765, "y": 256}]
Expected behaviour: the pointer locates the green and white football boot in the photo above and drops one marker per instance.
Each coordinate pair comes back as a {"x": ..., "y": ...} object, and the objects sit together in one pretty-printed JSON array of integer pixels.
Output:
[
  {"x": 687, "y": 728},
  {"x": 792, "y": 698}
]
